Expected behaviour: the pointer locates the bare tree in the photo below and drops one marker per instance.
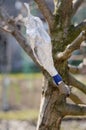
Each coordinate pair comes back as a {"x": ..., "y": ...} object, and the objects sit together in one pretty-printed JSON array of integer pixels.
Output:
[{"x": 65, "y": 39}]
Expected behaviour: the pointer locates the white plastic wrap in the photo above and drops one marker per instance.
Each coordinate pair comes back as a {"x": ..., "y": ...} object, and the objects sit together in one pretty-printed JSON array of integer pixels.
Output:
[{"x": 39, "y": 40}]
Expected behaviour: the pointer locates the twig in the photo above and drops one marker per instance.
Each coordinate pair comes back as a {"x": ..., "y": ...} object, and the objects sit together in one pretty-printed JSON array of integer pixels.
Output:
[{"x": 74, "y": 82}]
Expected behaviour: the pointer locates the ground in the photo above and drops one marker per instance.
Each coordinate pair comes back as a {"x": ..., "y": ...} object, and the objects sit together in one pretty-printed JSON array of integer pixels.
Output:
[
  {"x": 23, "y": 99},
  {"x": 27, "y": 125}
]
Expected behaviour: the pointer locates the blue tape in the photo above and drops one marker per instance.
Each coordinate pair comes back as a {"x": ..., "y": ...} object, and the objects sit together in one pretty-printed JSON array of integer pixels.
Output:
[{"x": 57, "y": 78}]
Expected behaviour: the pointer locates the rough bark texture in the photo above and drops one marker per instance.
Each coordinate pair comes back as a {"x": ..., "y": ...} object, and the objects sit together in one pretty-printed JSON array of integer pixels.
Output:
[
  {"x": 65, "y": 39},
  {"x": 50, "y": 116}
]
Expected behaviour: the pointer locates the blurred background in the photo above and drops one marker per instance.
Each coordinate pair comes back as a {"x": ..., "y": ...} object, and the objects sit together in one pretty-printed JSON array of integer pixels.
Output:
[{"x": 21, "y": 79}]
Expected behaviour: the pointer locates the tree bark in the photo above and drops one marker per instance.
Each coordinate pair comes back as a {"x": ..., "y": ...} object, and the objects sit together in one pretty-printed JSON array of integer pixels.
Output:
[
  {"x": 50, "y": 118},
  {"x": 46, "y": 13},
  {"x": 53, "y": 105}
]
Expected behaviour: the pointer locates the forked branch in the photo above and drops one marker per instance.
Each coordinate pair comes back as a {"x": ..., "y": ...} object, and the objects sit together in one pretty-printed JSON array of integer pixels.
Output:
[{"x": 71, "y": 47}]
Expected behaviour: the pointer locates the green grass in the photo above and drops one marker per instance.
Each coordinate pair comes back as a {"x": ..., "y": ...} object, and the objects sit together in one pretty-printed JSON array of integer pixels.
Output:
[
  {"x": 23, "y": 76},
  {"x": 19, "y": 115},
  {"x": 17, "y": 92},
  {"x": 26, "y": 114},
  {"x": 22, "y": 114}
]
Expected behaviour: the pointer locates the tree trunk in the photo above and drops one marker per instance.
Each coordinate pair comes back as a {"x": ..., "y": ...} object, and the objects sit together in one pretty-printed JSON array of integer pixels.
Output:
[
  {"x": 50, "y": 115},
  {"x": 65, "y": 39}
]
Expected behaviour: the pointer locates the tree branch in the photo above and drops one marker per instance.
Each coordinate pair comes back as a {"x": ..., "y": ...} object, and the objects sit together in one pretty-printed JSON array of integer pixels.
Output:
[
  {"x": 77, "y": 84},
  {"x": 75, "y": 99},
  {"x": 74, "y": 110},
  {"x": 76, "y": 5},
  {"x": 71, "y": 47},
  {"x": 81, "y": 26},
  {"x": 64, "y": 9},
  {"x": 11, "y": 28},
  {"x": 46, "y": 12},
  {"x": 74, "y": 69},
  {"x": 3, "y": 14}
]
